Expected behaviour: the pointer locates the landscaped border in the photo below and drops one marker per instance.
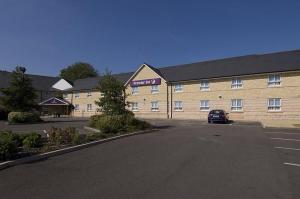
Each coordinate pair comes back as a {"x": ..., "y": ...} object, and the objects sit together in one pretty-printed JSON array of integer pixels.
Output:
[{"x": 46, "y": 155}]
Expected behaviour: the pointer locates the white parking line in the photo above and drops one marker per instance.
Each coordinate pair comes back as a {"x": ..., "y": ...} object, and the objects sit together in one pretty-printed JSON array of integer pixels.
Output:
[
  {"x": 279, "y": 147},
  {"x": 283, "y": 133},
  {"x": 285, "y": 139},
  {"x": 292, "y": 164}
]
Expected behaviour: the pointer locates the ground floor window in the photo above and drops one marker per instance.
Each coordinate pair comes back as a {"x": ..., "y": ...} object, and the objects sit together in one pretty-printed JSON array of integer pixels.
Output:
[
  {"x": 134, "y": 106},
  {"x": 178, "y": 105},
  {"x": 76, "y": 107},
  {"x": 236, "y": 104},
  {"x": 154, "y": 106},
  {"x": 274, "y": 104},
  {"x": 204, "y": 105},
  {"x": 89, "y": 107}
]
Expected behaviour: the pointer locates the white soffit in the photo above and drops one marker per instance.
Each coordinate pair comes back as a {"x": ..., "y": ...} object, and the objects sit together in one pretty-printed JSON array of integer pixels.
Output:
[{"x": 62, "y": 85}]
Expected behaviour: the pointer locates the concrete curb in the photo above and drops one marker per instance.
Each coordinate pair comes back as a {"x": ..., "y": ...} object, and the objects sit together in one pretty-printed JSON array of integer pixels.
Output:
[{"x": 46, "y": 155}]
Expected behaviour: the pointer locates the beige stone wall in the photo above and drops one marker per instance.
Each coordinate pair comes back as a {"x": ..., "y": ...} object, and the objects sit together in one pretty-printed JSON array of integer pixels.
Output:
[
  {"x": 145, "y": 97},
  {"x": 254, "y": 93},
  {"x": 83, "y": 100}
]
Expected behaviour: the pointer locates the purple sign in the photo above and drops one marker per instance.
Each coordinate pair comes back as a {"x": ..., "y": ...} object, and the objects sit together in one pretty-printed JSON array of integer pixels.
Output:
[{"x": 145, "y": 82}]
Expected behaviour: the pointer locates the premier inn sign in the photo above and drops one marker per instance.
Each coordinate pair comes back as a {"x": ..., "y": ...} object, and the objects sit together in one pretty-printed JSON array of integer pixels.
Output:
[{"x": 145, "y": 82}]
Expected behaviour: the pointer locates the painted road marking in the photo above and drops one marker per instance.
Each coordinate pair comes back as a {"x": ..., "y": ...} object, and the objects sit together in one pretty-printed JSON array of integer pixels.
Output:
[
  {"x": 291, "y": 164},
  {"x": 285, "y": 139},
  {"x": 279, "y": 147},
  {"x": 283, "y": 133}
]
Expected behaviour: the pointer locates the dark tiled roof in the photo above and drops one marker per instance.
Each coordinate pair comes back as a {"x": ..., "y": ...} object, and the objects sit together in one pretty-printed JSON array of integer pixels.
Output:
[
  {"x": 43, "y": 83},
  {"x": 92, "y": 82},
  {"x": 244, "y": 65}
]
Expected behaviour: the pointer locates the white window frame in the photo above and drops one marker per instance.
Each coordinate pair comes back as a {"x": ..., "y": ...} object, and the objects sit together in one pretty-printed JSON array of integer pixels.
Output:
[
  {"x": 234, "y": 105},
  {"x": 236, "y": 83},
  {"x": 178, "y": 105},
  {"x": 178, "y": 88},
  {"x": 89, "y": 94},
  {"x": 76, "y": 107},
  {"x": 135, "y": 90},
  {"x": 135, "y": 106},
  {"x": 204, "y": 105},
  {"x": 154, "y": 106},
  {"x": 154, "y": 89},
  {"x": 89, "y": 107},
  {"x": 272, "y": 106},
  {"x": 77, "y": 95},
  {"x": 274, "y": 80},
  {"x": 204, "y": 85},
  {"x": 65, "y": 95}
]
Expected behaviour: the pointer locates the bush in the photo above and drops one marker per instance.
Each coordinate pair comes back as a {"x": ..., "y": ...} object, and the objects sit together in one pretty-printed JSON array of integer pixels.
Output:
[
  {"x": 23, "y": 117},
  {"x": 58, "y": 136},
  {"x": 8, "y": 145},
  {"x": 117, "y": 123},
  {"x": 32, "y": 140}
]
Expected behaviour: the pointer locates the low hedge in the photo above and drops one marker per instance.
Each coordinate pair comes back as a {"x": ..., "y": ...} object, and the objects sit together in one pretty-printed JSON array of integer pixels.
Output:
[
  {"x": 117, "y": 123},
  {"x": 23, "y": 117},
  {"x": 9, "y": 143}
]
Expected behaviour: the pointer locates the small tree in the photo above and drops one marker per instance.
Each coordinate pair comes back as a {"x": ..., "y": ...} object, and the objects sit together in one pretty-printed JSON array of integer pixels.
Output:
[
  {"x": 113, "y": 97},
  {"x": 20, "y": 95},
  {"x": 78, "y": 70}
]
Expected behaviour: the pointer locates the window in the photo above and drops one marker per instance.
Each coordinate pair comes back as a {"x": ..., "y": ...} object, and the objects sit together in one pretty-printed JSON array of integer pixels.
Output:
[
  {"x": 76, "y": 107},
  {"x": 236, "y": 105},
  {"x": 178, "y": 88},
  {"x": 134, "y": 106},
  {"x": 65, "y": 95},
  {"x": 154, "y": 106},
  {"x": 77, "y": 95},
  {"x": 204, "y": 85},
  {"x": 89, "y": 94},
  {"x": 204, "y": 105},
  {"x": 274, "y": 80},
  {"x": 178, "y": 106},
  {"x": 135, "y": 90},
  {"x": 89, "y": 107},
  {"x": 236, "y": 83},
  {"x": 274, "y": 104},
  {"x": 154, "y": 89}
]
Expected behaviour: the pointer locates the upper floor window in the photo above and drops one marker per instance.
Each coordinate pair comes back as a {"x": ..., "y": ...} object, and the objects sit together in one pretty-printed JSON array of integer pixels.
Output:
[
  {"x": 274, "y": 104},
  {"x": 236, "y": 104},
  {"x": 134, "y": 106},
  {"x": 236, "y": 83},
  {"x": 204, "y": 105},
  {"x": 65, "y": 95},
  {"x": 89, "y": 107},
  {"x": 135, "y": 90},
  {"x": 154, "y": 89},
  {"x": 274, "y": 80},
  {"x": 89, "y": 94},
  {"x": 178, "y": 88},
  {"x": 178, "y": 105},
  {"x": 204, "y": 85},
  {"x": 77, "y": 95},
  {"x": 154, "y": 106}
]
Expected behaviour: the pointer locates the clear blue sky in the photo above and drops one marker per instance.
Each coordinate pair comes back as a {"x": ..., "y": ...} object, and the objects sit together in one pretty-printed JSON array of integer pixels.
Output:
[{"x": 47, "y": 35}]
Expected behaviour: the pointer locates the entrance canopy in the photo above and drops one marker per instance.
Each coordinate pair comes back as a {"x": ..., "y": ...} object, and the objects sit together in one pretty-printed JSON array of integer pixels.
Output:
[{"x": 54, "y": 101}]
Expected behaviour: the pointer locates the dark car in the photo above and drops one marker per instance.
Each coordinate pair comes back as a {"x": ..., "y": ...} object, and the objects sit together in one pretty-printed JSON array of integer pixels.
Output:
[{"x": 217, "y": 116}]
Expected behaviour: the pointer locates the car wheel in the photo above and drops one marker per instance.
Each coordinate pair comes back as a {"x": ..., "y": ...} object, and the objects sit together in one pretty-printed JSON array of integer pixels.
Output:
[{"x": 209, "y": 121}]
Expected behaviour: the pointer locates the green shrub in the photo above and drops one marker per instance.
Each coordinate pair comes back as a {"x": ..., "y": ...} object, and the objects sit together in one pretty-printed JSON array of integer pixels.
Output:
[
  {"x": 58, "y": 136},
  {"x": 32, "y": 140},
  {"x": 8, "y": 145},
  {"x": 23, "y": 117},
  {"x": 95, "y": 136},
  {"x": 117, "y": 123}
]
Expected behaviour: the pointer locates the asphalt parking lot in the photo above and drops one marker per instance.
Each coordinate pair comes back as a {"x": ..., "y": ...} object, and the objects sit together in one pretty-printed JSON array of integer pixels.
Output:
[{"x": 184, "y": 159}]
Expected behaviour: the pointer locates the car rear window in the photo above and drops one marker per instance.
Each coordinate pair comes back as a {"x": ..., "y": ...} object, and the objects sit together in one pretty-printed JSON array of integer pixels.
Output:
[{"x": 216, "y": 112}]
